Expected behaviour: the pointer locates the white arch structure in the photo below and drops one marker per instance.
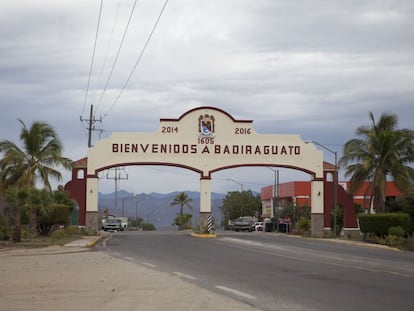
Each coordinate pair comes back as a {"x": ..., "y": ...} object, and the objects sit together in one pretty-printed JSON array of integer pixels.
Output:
[{"x": 206, "y": 140}]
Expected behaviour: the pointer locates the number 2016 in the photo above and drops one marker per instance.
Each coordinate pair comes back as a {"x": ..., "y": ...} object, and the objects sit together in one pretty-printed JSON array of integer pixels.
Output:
[{"x": 242, "y": 131}]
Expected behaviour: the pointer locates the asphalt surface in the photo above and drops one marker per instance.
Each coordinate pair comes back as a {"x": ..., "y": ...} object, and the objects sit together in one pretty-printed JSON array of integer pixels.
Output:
[
  {"x": 77, "y": 277},
  {"x": 275, "y": 272}
]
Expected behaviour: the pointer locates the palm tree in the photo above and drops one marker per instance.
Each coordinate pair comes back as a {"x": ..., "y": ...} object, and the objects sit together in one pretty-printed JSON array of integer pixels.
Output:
[
  {"x": 182, "y": 199},
  {"x": 41, "y": 151},
  {"x": 383, "y": 151},
  {"x": 19, "y": 199}
]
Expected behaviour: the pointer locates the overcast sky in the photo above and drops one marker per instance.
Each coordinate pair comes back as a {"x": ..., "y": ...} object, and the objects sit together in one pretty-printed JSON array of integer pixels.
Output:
[{"x": 313, "y": 68}]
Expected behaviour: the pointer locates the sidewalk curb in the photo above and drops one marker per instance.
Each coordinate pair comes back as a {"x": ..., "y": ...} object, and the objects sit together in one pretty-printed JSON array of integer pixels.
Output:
[
  {"x": 95, "y": 241},
  {"x": 344, "y": 242},
  {"x": 362, "y": 244},
  {"x": 203, "y": 235}
]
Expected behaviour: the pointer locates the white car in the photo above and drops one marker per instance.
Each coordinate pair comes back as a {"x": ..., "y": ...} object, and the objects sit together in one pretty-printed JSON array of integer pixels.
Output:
[{"x": 258, "y": 226}]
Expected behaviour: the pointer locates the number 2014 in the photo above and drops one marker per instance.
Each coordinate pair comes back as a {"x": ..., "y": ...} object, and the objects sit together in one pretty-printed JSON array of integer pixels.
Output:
[{"x": 169, "y": 129}]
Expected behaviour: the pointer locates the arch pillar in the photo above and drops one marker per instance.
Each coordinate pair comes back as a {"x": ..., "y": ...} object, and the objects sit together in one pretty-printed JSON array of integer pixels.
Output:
[
  {"x": 317, "y": 207},
  {"x": 205, "y": 202},
  {"x": 91, "y": 219}
]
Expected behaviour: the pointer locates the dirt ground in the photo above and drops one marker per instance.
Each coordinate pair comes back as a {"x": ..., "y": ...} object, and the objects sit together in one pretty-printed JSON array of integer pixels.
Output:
[{"x": 78, "y": 278}]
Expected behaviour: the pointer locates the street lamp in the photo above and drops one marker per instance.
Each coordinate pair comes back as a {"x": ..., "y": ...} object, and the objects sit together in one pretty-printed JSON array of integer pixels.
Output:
[
  {"x": 241, "y": 187},
  {"x": 240, "y": 184},
  {"x": 335, "y": 181}
]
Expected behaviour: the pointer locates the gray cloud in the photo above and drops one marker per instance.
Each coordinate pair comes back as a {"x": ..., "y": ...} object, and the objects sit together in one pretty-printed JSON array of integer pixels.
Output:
[{"x": 313, "y": 68}]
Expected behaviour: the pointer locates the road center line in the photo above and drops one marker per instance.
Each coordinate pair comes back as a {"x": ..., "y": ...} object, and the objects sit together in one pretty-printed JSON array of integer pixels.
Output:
[
  {"x": 149, "y": 264},
  {"x": 235, "y": 292},
  {"x": 187, "y": 276}
]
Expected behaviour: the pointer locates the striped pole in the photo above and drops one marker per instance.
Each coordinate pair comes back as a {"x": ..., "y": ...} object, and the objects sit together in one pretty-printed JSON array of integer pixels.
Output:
[{"x": 210, "y": 225}]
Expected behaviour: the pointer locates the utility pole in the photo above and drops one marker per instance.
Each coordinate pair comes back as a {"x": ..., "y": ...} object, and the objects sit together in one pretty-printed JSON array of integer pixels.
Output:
[
  {"x": 275, "y": 200},
  {"x": 91, "y": 121},
  {"x": 117, "y": 177}
]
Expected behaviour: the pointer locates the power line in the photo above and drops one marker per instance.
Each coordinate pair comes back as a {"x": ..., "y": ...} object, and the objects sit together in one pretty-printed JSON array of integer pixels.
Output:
[
  {"x": 118, "y": 52},
  {"x": 93, "y": 58},
  {"x": 139, "y": 58},
  {"x": 108, "y": 47}
]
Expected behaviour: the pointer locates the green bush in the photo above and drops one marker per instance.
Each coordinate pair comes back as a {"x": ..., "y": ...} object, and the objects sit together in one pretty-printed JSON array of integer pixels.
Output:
[
  {"x": 380, "y": 223},
  {"x": 397, "y": 231},
  {"x": 304, "y": 225},
  {"x": 87, "y": 231},
  {"x": 392, "y": 240},
  {"x": 58, "y": 234},
  {"x": 65, "y": 232},
  {"x": 49, "y": 216},
  {"x": 147, "y": 226},
  {"x": 183, "y": 221}
]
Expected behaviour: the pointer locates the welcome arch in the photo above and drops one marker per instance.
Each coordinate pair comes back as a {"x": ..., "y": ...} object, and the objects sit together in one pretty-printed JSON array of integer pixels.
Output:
[{"x": 206, "y": 140}]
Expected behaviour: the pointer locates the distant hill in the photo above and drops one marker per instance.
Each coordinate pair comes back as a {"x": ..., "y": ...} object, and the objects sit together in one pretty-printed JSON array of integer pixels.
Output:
[{"x": 155, "y": 207}]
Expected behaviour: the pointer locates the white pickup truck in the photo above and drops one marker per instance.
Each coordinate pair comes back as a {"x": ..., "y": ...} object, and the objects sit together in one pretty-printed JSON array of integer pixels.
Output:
[
  {"x": 113, "y": 224},
  {"x": 243, "y": 224}
]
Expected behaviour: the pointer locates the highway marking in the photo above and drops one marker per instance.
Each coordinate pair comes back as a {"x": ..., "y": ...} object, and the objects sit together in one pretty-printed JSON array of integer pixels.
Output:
[
  {"x": 235, "y": 292},
  {"x": 149, "y": 264},
  {"x": 240, "y": 241},
  {"x": 129, "y": 258},
  {"x": 243, "y": 244},
  {"x": 186, "y": 276}
]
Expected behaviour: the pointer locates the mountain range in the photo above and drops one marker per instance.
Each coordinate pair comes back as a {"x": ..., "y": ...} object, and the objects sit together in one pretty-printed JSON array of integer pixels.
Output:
[{"x": 155, "y": 207}]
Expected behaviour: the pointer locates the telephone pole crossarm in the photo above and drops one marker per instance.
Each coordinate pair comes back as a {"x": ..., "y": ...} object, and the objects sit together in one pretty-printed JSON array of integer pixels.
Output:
[{"x": 91, "y": 121}]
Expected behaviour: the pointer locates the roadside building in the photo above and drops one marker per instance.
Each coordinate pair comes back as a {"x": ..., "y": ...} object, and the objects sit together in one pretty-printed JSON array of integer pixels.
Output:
[{"x": 298, "y": 193}]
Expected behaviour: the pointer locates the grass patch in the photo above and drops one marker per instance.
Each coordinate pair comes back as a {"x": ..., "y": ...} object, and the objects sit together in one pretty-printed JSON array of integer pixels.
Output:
[
  {"x": 58, "y": 237},
  {"x": 40, "y": 242}
]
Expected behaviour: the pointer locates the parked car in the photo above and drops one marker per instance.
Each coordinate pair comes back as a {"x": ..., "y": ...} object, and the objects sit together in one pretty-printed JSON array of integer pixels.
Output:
[
  {"x": 243, "y": 224},
  {"x": 258, "y": 226},
  {"x": 113, "y": 224}
]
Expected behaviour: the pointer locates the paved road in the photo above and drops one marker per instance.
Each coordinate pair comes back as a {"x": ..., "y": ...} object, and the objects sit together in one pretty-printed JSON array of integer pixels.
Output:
[{"x": 273, "y": 272}]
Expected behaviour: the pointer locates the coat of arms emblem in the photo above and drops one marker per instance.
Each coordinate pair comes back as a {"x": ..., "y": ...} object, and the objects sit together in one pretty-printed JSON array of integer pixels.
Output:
[{"x": 206, "y": 126}]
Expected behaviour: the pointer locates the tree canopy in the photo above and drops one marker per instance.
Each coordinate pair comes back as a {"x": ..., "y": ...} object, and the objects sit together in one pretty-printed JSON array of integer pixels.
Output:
[
  {"x": 237, "y": 204},
  {"x": 40, "y": 153},
  {"x": 382, "y": 152},
  {"x": 182, "y": 199}
]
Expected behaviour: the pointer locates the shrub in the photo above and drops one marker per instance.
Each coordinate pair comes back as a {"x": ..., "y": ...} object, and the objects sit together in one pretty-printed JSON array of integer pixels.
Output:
[
  {"x": 304, "y": 225},
  {"x": 379, "y": 224},
  {"x": 58, "y": 234},
  {"x": 65, "y": 232},
  {"x": 147, "y": 226},
  {"x": 87, "y": 231},
  {"x": 397, "y": 231},
  {"x": 49, "y": 216},
  {"x": 183, "y": 221}
]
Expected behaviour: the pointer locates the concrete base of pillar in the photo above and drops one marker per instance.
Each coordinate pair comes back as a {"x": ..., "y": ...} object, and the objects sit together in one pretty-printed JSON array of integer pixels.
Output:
[
  {"x": 317, "y": 225},
  {"x": 91, "y": 220},
  {"x": 203, "y": 222},
  {"x": 352, "y": 233}
]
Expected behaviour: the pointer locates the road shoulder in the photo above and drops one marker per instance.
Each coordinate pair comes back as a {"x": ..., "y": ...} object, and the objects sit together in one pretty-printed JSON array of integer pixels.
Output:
[{"x": 81, "y": 278}]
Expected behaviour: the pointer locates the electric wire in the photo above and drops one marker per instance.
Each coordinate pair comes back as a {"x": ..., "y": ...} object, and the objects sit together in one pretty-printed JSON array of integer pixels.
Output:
[
  {"x": 108, "y": 48},
  {"x": 139, "y": 58},
  {"x": 93, "y": 58},
  {"x": 118, "y": 52}
]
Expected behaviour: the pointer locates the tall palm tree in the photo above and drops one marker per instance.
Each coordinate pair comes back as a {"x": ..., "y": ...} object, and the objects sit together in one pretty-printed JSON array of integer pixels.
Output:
[
  {"x": 382, "y": 151},
  {"x": 41, "y": 152},
  {"x": 182, "y": 199}
]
